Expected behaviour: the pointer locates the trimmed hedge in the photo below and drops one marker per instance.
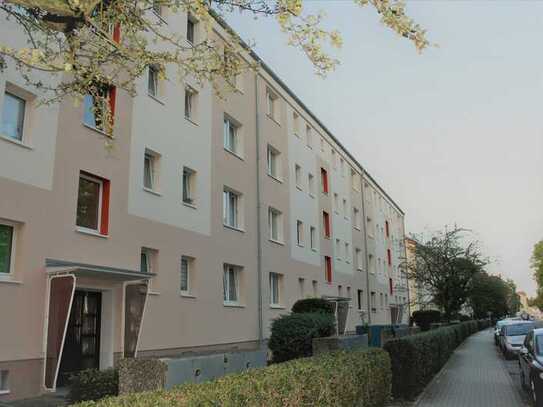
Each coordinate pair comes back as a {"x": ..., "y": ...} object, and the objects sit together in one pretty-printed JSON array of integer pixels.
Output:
[
  {"x": 416, "y": 359},
  {"x": 93, "y": 384},
  {"x": 292, "y": 334},
  {"x": 312, "y": 305},
  {"x": 425, "y": 318},
  {"x": 344, "y": 378}
]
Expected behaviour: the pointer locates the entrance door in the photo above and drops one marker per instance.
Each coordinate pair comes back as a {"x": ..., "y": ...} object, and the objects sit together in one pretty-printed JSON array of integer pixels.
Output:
[{"x": 82, "y": 343}]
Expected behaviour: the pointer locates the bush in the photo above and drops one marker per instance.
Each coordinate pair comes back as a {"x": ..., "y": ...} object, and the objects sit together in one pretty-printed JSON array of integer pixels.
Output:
[
  {"x": 343, "y": 378},
  {"x": 312, "y": 305},
  {"x": 93, "y": 384},
  {"x": 417, "y": 358},
  {"x": 425, "y": 318},
  {"x": 292, "y": 335}
]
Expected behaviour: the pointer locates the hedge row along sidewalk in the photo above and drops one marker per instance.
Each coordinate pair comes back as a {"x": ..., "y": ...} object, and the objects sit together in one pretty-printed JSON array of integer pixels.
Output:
[
  {"x": 344, "y": 378},
  {"x": 416, "y": 359}
]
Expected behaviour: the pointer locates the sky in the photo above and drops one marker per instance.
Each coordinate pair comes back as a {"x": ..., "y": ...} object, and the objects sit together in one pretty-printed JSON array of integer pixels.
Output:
[{"x": 454, "y": 134}]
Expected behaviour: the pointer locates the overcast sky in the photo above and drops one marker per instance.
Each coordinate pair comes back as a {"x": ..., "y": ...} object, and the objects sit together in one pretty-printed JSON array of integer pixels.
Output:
[{"x": 455, "y": 134}]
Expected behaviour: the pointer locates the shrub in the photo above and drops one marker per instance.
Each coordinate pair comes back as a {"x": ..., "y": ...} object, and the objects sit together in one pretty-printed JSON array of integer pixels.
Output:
[
  {"x": 292, "y": 335},
  {"x": 417, "y": 358},
  {"x": 425, "y": 318},
  {"x": 312, "y": 305},
  {"x": 93, "y": 384},
  {"x": 343, "y": 378}
]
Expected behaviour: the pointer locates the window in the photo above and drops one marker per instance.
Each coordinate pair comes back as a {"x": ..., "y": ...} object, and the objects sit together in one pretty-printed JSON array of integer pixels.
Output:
[
  {"x": 326, "y": 224},
  {"x": 389, "y": 257},
  {"x": 390, "y": 286},
  {"x": 275, "y": 288},
  {"x": 7, "y": 234},
  {"x": 295, "y": 124},
  {"x": 372, "y": 301},
  {"x": 300, "y": 232},
  {"x": 275, "y": 219},
  {"x": 309, "y": 136},
  {"x": 322, "y": 144},
  {"x": 328, "y": 269},
  {"x": 273, "y": 162},
  {"x": 371, "y": 263},
  {"x": 95, "y": 108},
  {"x": 191, "y": 26},
  {"x": 339, "y": 291},
  {"x": 231, "y": 137},
  {"x": 347, "y": 252},
  {"x": 313, "y": 237},
  {"x": 4, "y": 383},
  {"x": 349, "y": 295},
  {"x": 336, "y": 202},
  {"x": 271, "y": 102},
  {"x": 150, "y": 170},
  {"x": 152, "y": 81},
  {"x": 311, "y": 184},
  {"x": 93, "y": 204},
  {"x": 359, "y": 297},
  {"x": 147, "y": 260},
  {"x": 381, "y": 302},
  {"x": 189, "y": 184},
  {"x": 387, "y": 229},
  {"x": 231, "y": 276},
  {"x": 338, "y": 249},
  {"x": 334, "y": 161},
  {"x": 386, "y": 300},
  {"x": 356, "y": 218},
  {"x": 185, "y": 281},
  {"x": 315, "y": 285},
  {"x": 358, "y": 258},
  {"x": 355, "y": 180},
  {"x": 342, "y": 166},
  {"x": 13, "y": 116},
  {"x": 231, "y": 209},
  {"x": 345, "y": 209},
  {"x": 324, "y": 181},
  {"x": 298, "y": 176},
  {"x": 191, "y": 97},
  {"x": 301, "y": 285}
]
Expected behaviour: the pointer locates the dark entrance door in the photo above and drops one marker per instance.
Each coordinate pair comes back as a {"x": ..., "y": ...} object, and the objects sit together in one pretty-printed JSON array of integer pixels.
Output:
[{"x": 82, "y": 343}]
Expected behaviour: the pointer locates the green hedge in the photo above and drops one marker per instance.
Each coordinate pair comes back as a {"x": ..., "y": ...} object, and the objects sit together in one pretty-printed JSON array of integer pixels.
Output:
[
  {"x": 311, "y": 305},
  {"x": 344, "y": 378},
  {"x": 93, "y": 384},
  {"x": 292, "y": 334},
  {"x": 416, "y": 359},
  {"x": 425, "y": 318}
]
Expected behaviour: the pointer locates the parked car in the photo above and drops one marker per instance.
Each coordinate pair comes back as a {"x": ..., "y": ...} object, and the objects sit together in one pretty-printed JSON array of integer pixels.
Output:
[
  {"x": 531, "y": 365},
  {"x": 498, "y": 327},
  {"x": 512, "y": 337}
]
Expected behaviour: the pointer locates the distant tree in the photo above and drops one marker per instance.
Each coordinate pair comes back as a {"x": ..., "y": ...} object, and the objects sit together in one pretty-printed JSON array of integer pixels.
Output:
[
  {"x": 513, "y": 299},
  {"x": 537, "y": 267},
  {"x": 489, "y": 294},
  {"x": 77, "y": 38},
  {"x": 444, "y": 267}
]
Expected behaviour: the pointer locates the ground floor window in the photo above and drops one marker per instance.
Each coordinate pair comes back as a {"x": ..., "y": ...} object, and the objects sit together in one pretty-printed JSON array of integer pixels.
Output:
[
  {"x": 6, "y": 248},
  {"x": 231, "y": 283}
]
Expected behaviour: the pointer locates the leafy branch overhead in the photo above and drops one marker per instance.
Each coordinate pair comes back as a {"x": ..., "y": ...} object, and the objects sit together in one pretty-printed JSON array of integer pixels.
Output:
[{"x": 81, "y": 38}]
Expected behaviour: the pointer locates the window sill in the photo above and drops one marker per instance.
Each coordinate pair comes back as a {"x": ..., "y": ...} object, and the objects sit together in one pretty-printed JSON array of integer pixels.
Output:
[
  {"x": 151, "y": 292},
  {"x": 277, "y": 306},
  {"x": 233, "y": 304},
  {"x": 191, "y": 121},
  {"x": 156, "y": 99},
  {"x": 314, "y": 249},
  {"x": 8, "y": 279},
  {"x": 327, "y": 237},
  {"x": 187, "y": 295},
  {"x": 277, "y": 242},
  {"x": 273, "y": 119},
  {"x": 91, "y": 233},
  {"x": 312, "y": 195},
  {"x": 16, "y": 142},
  {"x": 152, "y": 191},
  {"x": 239, "y": 157},
  {"x": 97, "y": 130},
  {"x": 4, "y": 392},
  {"x": 275, "y": 178},
  {"x": 300, "y": 245},
  {"x": 190, "y": 205},
  {"x": 299, "y": 188},
  {"x": 357, "y": 228},
  {"x": 233, "y": 228}
]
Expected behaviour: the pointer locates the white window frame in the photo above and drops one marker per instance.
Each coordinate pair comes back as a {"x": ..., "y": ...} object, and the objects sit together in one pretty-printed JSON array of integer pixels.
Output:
[
  {"x": 300, "y": 233},
  {"x": 227, "y": 269},
  {"x": 296, "y": 124},
  {"x": 275, "y": 289},
  {"x": 347, "y": 252},
  {"x": 154, "y": 170},
  {"x": 191, "y": 99},
  {"x": 345, "y": 209},
  {"x": 149, "y": 255},
  {"x": 11, "y": 266},
  {"x": 313, "y": 237},
  {"x": 191, "y": 20},
  {"x": 154, "y": 93},
  {"x": 227, "y": 192},
  {"x": 309, "y": 136},
  {"x": 336, "y": 203},
  {"x": 338, "y": 249},
  {"x": 311, "y": 184},
  {"x": 26, "y": 104},
  {"x": 189, "y": 262},
  {"x": 271, "y": 105},
  {"x": 358, "y": 252},
  {"x": 298, "y": 176},
  {"x": 273, "y": 157},
  {"x": 100, "y": 199},
  {"x": 277, "y": 215},
  {"x": 356, "y": 216},
  {"x": 4, "y": 381},
  {"x": 237, "y": 148},
  {"x": 189, "y": 185}
]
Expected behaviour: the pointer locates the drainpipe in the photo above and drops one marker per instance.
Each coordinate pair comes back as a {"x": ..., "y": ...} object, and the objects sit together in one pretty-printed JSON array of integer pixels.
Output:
[
  {"x": 365, "y": 223},
  {"x": 258, "y": 216}
]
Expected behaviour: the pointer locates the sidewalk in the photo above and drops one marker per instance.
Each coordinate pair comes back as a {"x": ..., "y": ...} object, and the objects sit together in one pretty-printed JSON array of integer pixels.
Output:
[{"x": 474, "y": 376}]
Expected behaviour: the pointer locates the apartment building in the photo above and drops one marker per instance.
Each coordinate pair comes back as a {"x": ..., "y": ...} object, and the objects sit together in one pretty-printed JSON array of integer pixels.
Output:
[{"x": 206, "y": 219}]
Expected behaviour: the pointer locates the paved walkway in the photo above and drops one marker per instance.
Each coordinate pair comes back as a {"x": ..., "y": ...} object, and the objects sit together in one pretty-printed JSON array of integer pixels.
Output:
[{"x": 474, "y": 376}]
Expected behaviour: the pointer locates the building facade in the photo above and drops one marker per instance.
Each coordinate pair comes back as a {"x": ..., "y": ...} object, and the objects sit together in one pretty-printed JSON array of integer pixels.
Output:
[{"x": 206, "y": 219}]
